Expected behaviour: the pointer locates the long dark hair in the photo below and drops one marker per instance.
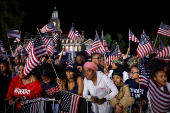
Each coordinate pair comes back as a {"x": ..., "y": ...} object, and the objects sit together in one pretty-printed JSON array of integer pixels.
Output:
[
  {"x": 75, "y": 81},
  {"x": 46, "y": 69}
]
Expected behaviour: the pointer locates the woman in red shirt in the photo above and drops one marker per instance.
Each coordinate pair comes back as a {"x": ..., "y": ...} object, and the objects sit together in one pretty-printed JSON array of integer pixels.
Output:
[{"x": 23, "y": 88}]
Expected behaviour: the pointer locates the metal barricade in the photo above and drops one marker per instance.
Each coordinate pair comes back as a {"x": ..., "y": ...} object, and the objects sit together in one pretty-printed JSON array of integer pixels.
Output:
[{"x": 45, "y": 100}]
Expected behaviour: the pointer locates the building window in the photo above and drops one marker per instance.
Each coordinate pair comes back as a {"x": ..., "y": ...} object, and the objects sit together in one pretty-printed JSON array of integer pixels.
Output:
[
  {"x": 79, "y": 48},
  {"x": 75, "y": 48},
  {"x": 71, "y": 48},
  {"x": 62, "y": 41},
  {"x": 66, "y": 48},
  {"x": 79, "y": 41},
  {"x": 71, "y": 41},
  {"x": 66, "y": 41}
]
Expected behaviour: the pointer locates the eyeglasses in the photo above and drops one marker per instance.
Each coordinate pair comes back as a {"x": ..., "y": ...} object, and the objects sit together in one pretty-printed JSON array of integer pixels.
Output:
[{"x": 133, "y": 73}]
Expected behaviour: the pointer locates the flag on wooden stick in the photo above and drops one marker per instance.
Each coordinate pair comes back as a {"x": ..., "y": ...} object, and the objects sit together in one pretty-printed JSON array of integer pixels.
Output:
[
  {"x": 38, "y": 50},
  {"x": 164, "y": 29},
  {"x": 132, "y": 37},
  {"x": 144, "y": 46},
  {"x": 13, "y": 33},
  {"x": 69, "y": 103}
]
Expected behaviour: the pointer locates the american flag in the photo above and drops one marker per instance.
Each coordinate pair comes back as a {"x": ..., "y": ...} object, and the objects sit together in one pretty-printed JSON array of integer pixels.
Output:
[
  {"x": 1, "y": 43},
  {"x": 155, "y": 50},
  {"x": 97, "y": 46},
  {"x": 78, "y": 35},
  {"x": 164, "y": 29},
  {"x": 46, "y": 38},
  {"x": 48, "y": 28},
  {"x": 165, "y": 52},
  {"x": 143, "y": 76},
  {"x": 13, "y": 33},
  {"x": 160, "y": 100},
  {"x": 161, "y": 45},
  {"x": 69, "y": 59},
  {"x": 33, "y": 106},
  {"x": 69, "y": 103},
  {"x": 56, "y": 36},
  {"x": 2, "y": 46},
  {"x": 133, "y": 37},
  {"x": 29, "y": 46},
  {"x": 113, "y": 55},
  {"x": 19, "y": 48},
  {"x": 38, "y": 50},
  {"x": 71, "y": 34},
  {"x": 103, "y": 41},
  {"x": 51, "y": 47},
  {"x": 18, "y": 39},
  {"x": 26, "y": 108},
  {"x": 144, "y": 46}
]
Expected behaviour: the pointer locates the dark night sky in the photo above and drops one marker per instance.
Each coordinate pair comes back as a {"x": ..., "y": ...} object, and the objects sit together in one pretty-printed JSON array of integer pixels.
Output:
[{"x": 111, "y": 17}]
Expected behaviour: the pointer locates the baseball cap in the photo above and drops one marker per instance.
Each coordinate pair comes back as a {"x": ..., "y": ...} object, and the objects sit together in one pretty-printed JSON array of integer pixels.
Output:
[{"x": 72, "y": 68}]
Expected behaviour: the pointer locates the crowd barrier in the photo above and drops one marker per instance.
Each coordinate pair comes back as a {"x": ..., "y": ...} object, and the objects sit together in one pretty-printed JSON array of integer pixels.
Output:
[{"x": 42, "y": 105}]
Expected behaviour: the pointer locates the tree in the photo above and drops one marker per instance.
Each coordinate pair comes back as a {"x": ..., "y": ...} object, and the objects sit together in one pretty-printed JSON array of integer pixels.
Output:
[
  {"x": 83, "y": 47},
  {"x": 59, "y": 46},
  {"x": 11, "y": 17},
  {"x": 112, "y": 43},
  {"x": 165, "y": 40}
]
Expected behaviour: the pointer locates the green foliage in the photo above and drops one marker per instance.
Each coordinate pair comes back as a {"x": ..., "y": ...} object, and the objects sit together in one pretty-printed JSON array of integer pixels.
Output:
[
  {"x": 112, "y": 43},
  {"x": 59, "y": 46},
  {"x": 83, "y": 47},
  {"x": 11, "y": 18},
  {"x": 165, "y": 40}
]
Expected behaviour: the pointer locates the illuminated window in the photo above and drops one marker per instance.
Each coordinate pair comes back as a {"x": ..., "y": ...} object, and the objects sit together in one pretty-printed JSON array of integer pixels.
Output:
[
  {"x": 75, "y": 48},
  {"x": 79, "y": 48},
  {"x": 71, "y": 41},
  {"x": 62, "y": 41},
  {"x": 66, "y": 48},
  {"x": 71, "y": 48},
  {"x": 66, "y": 41}
]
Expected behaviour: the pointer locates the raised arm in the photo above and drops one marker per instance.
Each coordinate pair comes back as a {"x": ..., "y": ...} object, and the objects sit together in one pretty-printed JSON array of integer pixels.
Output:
[{"x": 60, "y": 57}]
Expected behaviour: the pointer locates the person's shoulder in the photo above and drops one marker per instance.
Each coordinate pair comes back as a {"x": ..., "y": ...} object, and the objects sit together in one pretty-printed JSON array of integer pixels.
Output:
[
  {"x": 16, "y": 77},
  {"x": 128, "y": 81},
  {"x": 34, "y": 78},
  {"x": 79, "y": 78}
]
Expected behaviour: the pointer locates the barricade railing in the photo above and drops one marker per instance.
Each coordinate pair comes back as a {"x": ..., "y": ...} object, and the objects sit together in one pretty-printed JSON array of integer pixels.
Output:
[{"x": 44, "y": 106}]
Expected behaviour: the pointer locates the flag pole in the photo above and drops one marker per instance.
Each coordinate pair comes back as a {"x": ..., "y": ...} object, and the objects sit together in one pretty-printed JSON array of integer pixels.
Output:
[
  {"x": 129, "y": 41},
  {"x": 104, "y": 57},
  {"x": 48, "y": 54}
]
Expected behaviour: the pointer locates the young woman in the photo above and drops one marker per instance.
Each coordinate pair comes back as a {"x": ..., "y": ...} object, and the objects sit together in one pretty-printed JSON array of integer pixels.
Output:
[
  {"x": 23, "y": 88},
  {"x": 15, "y": 68},
  {"x": 98, "y": 85},
  {"x": 73, "y": 83},
  {"x": 137, "y": 93},
  {"x": 4, "y": 83},
  {"x": 123, "y": 99},
  {"x": 50, "y": 88},
  {"x": 5, "y": 70},
  {"x": 118, "y": 63},
  {"x": 160, "y": 78}
]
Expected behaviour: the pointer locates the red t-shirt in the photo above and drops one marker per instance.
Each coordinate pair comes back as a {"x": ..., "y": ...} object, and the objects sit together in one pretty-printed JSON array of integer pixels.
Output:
[{"x": 18, "y": 89}]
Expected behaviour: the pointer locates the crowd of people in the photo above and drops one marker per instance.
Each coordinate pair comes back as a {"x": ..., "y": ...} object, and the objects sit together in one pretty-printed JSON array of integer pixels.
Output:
[{"x": 109, "y": 88}]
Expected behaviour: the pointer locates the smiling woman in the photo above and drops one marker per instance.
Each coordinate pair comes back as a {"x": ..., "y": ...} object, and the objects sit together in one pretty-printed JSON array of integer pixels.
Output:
[{"x": 23, "y": 88}]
